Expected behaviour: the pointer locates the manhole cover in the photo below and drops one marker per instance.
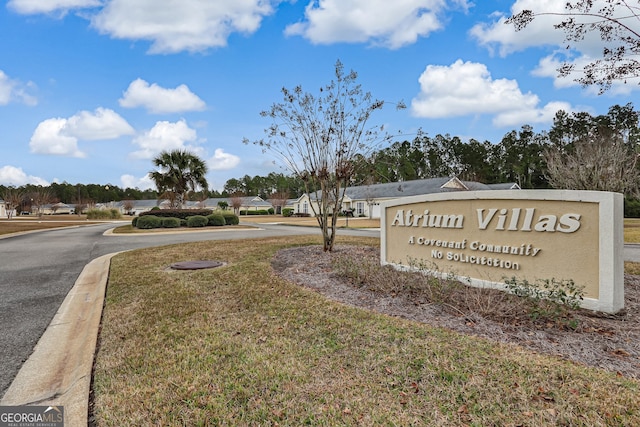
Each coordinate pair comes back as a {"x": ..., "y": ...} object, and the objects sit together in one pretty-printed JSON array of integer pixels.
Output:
[{"x": 195, "y": 265}]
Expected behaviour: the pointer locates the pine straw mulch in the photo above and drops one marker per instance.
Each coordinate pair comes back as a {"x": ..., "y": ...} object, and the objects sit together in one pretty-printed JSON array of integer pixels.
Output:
[{"x": 600, "y": 340}]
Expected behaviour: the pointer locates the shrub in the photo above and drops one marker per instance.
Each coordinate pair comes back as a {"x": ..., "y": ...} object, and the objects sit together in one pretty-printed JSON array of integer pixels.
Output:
[
  {"x": 216, "y": 220},
  {"x": 134, "y": 221},
  {"x": 631, "y": 208},
  {"x": 197, "y": 221},
  {"x": 256, "y": 212},
  {"x": 287, "y": 212},
  {"x": 178, "y": 213},
  {"x": 148, "y": 221},
  {"x": 271, "y": 211},
  {"x": 183, "y": 222},
  {"x": 230, "y": 218},
  {"x": 550, "y": 299},
  {"x": 103, "y": 214},
  {"x": 170, "y": 222}
]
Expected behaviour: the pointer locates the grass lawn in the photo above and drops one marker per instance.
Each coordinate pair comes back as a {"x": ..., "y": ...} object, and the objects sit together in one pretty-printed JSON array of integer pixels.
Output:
[
  {"x": 239, "y": 346},
  {"x": 310, "y": 221}
]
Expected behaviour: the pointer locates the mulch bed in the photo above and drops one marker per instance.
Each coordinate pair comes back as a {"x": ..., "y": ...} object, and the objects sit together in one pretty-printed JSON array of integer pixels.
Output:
[{"x": 604, "y": 341}]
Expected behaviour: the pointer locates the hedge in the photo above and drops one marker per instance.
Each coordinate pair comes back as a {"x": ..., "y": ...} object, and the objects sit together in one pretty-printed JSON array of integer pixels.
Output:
[
  {"x": 104, "y": 214},
  {"x": 148, "y": 221},
  {"x": 230, "y": 218},
  {"x": 170, "y": 222},
  {"x": 178, "y": 213},
  {"x": 197, "y": 221},
  {"x": 216, "y": 220},
  {"x": 258, "y": 212},
  {"x": 631, "y": 208}
]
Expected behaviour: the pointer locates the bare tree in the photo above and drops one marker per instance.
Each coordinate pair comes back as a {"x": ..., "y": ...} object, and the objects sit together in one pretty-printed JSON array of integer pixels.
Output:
[
  {"x": 617, "y": 23},
  {"x": 598, "y": 162},
  {"x": 39, "y": 198},
  {"x": 279, "y": 200},
  {"x": 81, "y": 205},
  {"x": 128, "y": 206},
  {"x": 236, "y": 202},
  {"x": 319, "y": 137},
  {"x": 12, "y": 200}
]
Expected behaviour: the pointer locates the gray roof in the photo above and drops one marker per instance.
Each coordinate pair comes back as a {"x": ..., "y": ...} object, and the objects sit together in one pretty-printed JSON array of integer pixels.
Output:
[
  {"x": 417, "y": 187},
  {"x": 399, "y": 189},
  {"x": 504, "y": 186},
  {"x": 249, "y": 201}
]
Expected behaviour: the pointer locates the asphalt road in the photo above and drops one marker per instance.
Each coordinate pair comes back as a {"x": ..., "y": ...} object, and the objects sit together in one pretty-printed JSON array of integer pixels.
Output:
[{"x": 37, "y": 270}]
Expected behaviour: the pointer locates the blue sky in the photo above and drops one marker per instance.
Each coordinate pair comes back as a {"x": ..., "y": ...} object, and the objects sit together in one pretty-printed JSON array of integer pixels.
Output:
[{"x": 92, "y": 90}]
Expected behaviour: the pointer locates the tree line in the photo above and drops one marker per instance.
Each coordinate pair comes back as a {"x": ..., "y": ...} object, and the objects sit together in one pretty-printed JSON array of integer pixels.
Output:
[
  {"x": 579, "y": 151},
  {"x": 576, "y": 144}
]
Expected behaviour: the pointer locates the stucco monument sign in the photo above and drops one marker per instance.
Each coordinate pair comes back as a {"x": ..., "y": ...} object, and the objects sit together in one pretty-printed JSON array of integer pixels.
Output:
[{"x": 486, "y": 237}]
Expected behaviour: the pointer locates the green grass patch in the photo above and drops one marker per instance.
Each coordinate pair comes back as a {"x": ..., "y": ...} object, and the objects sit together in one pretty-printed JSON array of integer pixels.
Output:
[{"x": 237, "y": 345}]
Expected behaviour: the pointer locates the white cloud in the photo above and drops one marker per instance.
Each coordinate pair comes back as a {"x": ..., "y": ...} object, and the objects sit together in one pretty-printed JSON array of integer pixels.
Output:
[
  {"x": 60, "y": 136},
  {"x": 165, "y": 136},
  {"x": 48, "y": 138},
  {"x": 191, "y": 25},
  {"x": 102, "y": 124},
  {"x": 130, "y": 181},
  {"x": 11, "y": 175},
  {"x": 29, "y": 7},
  {"x": 223, "y": 161},
  {"x": 157, "y": 99},
  {"x": 467, "y": 88},
  {"x": 541, "y": 32},
  {"x": 515, "y": 117},
  {"x": 382, "y": 22},
  {"x": 13, "y": 90}
]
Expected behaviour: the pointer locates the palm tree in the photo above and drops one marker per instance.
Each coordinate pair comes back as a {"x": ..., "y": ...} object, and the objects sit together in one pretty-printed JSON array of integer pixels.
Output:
[{"x": 179, "y": 173}]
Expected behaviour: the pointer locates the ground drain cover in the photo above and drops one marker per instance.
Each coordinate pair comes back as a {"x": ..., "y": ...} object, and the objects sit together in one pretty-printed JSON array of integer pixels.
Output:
[{"x": 195, "y": 265}]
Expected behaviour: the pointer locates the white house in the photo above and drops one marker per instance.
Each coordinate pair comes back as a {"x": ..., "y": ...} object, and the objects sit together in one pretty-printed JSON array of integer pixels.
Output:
[{"x": 365, "y": 200}]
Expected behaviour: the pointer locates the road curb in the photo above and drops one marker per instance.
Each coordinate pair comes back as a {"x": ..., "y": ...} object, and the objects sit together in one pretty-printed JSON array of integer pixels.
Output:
[{"x": 58, "y": 372}]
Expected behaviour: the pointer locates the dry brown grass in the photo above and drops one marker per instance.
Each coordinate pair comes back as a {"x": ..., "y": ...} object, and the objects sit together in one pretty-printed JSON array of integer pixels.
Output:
[
  {"x": 22, "y": 224},
  {"x": 632, "y": 230},
  {"x": 311, "y": 222},
  {"x": 238, "y": 346}
]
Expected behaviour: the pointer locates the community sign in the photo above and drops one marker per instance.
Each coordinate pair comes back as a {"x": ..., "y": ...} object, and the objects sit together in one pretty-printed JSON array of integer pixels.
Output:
[{"x": 485, "y": 238}]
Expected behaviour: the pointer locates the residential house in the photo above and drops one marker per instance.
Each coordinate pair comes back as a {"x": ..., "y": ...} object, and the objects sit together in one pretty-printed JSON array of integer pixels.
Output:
[
  {"x": 365, "y": 200},
  {"x": 248, "y": 203},
  {"x": 251, "y": 203}
]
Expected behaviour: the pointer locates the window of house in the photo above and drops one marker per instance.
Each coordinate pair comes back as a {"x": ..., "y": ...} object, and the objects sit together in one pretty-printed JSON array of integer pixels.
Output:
[{"x": 360, "y": 208}]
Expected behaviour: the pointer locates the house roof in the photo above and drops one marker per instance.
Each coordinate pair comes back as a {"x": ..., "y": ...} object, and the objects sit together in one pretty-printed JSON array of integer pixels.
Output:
[
  {"x": 504, "y": 186},
  {"x": 248, "y": 201},
  {"x": 393, "y": 190}
]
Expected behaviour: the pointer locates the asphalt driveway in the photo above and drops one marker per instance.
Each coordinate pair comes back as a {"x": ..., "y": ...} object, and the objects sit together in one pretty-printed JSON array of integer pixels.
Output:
[{"x": 37, "y": 270}]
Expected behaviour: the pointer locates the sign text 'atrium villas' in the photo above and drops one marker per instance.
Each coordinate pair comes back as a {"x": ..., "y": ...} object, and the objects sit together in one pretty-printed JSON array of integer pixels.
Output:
[{"x": 486, "y": 237}]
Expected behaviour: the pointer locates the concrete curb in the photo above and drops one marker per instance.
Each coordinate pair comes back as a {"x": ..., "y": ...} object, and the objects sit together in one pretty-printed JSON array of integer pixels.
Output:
[{"x": 58, "y": 372}]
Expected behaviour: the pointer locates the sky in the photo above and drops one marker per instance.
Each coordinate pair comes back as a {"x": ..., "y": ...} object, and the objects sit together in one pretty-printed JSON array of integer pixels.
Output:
[{"x": 92, "y": 90}]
